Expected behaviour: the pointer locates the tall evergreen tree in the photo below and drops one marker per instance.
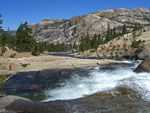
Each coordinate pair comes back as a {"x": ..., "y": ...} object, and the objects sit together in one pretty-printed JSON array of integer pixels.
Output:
[
  {"x": 124, "y": 30},
  {"x": 137, "y": 26},
  {"x": 75, "y": 45},
  {"x": 114, "y": 34},
  {"x": 4, "y": 37},
  {"x": 109, "y": 34},
  {"x": 94, "y": 42},
  {"x": 100, "y": 39},
  {"x": 87, "y": 42},
  {"x": 25, "y": 42},
  {"x": 0, "y": 22},
  {"x": 82, "y": 44},
  {"x": 0, "y": 31}
]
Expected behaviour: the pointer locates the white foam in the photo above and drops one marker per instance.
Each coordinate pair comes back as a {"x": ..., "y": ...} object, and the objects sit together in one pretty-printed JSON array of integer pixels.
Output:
[
  {"x": 126, "y": 61},
  {"x": 98, "y": 81}
]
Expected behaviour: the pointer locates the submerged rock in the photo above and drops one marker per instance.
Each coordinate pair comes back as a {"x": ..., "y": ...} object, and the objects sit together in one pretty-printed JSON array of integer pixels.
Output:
[
  {"x": 33, "y": 84},
  {"x": 144, "y": 66}
]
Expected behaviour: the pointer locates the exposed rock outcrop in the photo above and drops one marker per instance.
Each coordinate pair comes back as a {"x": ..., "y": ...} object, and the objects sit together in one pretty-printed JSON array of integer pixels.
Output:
[
  {"x": 123, "y": 101},
  {"x": 71, "y": 30},
  {"x": 121, "y": 47},
  {"x": 144, "y": 66}
]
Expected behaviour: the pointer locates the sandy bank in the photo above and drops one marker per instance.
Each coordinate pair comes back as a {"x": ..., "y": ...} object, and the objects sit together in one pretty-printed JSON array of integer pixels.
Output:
[{"x": 37, "y": 63}]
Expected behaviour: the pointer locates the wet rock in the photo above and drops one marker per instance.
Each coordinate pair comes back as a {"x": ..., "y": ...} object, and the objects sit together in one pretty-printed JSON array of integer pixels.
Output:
[
  {"x": 113, "y": 66},
  {"x": 17, "y": 104},
  {"x": 14, "y": 104},
  {"x": 121, "y": 100},
  {"x": 144, "y": 66},
  {"x": 31, "y": 87},
  {"x": 33, "y": 84},
  {"x": 64, "y": 73}
]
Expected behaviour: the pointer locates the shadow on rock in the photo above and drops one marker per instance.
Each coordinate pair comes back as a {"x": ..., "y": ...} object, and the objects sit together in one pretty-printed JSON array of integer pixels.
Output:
[{"x": 121, "y": 100}]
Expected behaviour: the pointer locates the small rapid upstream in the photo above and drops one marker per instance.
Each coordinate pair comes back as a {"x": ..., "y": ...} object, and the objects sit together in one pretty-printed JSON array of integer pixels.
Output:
[{"x": 99, "y": 79}]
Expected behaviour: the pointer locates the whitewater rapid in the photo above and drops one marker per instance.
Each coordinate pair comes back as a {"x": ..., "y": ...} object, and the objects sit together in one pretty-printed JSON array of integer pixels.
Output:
[{"x": 96, "y": 79}]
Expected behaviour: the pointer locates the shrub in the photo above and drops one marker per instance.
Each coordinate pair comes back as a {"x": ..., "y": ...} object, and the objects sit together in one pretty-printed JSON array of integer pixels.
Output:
[
  {"x": 13, "y": 55},
  {"x": 24, "y": 65},
  {"x": 137, "y": 44},
  {"x": 3, "y": 49},
  {"x": 144, "y": 30},
  {"x": 113, "y": 47},
  {"x": 3, "y": 78}
]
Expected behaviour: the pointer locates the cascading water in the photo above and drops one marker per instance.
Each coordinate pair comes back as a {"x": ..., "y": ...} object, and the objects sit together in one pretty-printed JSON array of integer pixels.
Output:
[{"x": 99, "y": 79}]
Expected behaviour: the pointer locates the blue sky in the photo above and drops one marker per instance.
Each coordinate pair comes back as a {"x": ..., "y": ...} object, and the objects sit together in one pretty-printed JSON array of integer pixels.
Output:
[{"x": 16, "y": 11}]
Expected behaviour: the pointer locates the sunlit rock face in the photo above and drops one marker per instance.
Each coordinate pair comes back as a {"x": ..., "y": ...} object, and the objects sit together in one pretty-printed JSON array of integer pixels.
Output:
[{"x": 60, "y": 30}]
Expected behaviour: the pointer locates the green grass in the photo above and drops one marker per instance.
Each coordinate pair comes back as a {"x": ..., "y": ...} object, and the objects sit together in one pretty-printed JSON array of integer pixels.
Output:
[{"x": 3, "y": 78}]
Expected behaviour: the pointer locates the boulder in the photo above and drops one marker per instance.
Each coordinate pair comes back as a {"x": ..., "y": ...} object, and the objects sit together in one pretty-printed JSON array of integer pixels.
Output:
[
  {"x": 144, "y": 66},
  {"x": 121, "y": 101},
  {"x": 9, "y": 68},
  {"x": 5, "y": 66},
  {"x": 13, "y": 104},
  {"x": 142, "y": 53},
  {"x": 15, "y": 66}
]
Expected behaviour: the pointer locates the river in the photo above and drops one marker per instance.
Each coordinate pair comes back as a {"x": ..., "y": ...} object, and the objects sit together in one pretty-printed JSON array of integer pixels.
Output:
[
  {"x": 49, "y": 85},
  {"x": 73, "y": 90},
  {"x": 99, "y": 79}
]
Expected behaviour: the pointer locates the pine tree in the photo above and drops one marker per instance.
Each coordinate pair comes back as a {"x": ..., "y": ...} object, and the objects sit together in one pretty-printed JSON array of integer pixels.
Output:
[
  {"x": 74, "y": 45},
  {"x": 25, "y": 42},
  {"x": 100, "y": 39},
  {"x": 0, "y": 23},
  {"x": 114, "y": 35},
  {"x": 4, "y": 38},
  {"x": 82, "y": 44},
  {"x": 94, "y": 42},
  {"x": 124, "y": 30},
  {"x": 137, "y": 26},
  {"x": 0, "y": 32},
  {"x": 35, "y": 50},
  {"x": 109, "y": 34},
  {"x": 87, "y": 42}
]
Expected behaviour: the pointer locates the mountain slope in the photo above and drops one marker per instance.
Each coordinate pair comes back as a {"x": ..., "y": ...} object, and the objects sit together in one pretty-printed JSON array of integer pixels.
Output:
[
  {"x": 72, "y": 30},
  {"x": 122, "y": 47}
]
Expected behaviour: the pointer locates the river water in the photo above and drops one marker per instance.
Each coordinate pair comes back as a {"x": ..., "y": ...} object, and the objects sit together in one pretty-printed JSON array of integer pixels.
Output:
[
  {"x": 66, "y": 84},
  {"x": 99, "y": 79},
  {"x": 108, "y": 88}
]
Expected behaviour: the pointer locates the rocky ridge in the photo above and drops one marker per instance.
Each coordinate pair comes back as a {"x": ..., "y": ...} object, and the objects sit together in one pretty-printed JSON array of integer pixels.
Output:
[{"x": 61, "y": 30}]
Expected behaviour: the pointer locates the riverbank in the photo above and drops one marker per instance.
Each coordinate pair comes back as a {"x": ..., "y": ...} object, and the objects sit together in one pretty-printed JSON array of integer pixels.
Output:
[
  {"x": 38, "y": 63},
  {"x": 110, "y": 88}
]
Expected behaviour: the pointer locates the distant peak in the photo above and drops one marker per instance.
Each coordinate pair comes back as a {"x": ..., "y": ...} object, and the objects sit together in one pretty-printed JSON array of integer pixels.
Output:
[
  {"x": 48, "y": 20},
  {"x": 122, "y": 9},
  {"x": 142, "y": 9},
  {"x": 103, "y": 11}
]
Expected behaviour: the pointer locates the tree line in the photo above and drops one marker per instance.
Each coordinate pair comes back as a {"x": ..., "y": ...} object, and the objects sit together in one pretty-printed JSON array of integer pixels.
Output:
[
  {"x": 88, "y": 42},
  {"x": 92, "y": 42},
  {"x": 24, "y": 42}
]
